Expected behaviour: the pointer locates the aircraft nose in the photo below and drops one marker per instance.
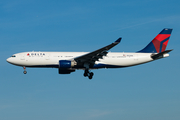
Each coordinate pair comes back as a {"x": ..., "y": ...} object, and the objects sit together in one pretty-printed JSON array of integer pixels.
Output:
[{"x": 8, "y": 60}]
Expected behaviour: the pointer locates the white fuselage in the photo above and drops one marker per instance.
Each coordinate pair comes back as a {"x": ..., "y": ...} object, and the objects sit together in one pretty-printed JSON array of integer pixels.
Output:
[
  {"x": 51, "y": 59},
  {"x": 68, "y": 62}
]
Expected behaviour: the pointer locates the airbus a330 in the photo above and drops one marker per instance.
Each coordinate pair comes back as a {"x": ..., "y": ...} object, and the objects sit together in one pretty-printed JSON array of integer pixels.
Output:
[{"x": 67, "y": 62}]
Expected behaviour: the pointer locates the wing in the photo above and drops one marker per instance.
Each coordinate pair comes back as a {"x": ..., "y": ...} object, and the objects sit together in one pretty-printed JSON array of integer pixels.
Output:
[{"x": 96, "y": 55}]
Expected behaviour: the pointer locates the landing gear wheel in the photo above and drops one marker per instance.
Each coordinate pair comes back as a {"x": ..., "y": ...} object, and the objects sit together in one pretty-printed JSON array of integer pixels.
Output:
[
  {"x": 25, "y": 72},
  {"x": 85, "y": 74},
  {"x": 90, "y": 75}
]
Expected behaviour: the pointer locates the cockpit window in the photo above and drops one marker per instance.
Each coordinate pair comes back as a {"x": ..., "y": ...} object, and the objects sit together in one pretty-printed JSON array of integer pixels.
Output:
[{"x": 13, "y": 56}]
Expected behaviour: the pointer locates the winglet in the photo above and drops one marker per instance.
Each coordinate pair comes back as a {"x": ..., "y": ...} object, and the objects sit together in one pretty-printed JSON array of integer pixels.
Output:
[{"x": 118, "y": 40}]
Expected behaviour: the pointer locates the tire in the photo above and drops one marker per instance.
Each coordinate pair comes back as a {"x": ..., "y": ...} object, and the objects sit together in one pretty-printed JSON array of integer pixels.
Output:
[
  {"x": 90, "y": 77},
  {"x": 85, "y": 74},
  {"x": 91, "y": 74},
  {"x": 25, "y": 72}
]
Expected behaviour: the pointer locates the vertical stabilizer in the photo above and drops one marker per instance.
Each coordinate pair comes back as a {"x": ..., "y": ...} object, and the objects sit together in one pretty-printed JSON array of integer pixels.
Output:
[{"x": 159, "y": 43}]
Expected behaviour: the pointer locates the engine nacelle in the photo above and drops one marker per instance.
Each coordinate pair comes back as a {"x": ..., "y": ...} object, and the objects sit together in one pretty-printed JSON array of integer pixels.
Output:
[
  {"x": 65, "y": 71},
  {"x": 66, "y": 64}
]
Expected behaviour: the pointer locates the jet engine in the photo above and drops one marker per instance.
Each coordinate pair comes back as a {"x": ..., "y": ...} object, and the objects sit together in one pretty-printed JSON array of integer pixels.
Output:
[{"x": 66, "y": 64}]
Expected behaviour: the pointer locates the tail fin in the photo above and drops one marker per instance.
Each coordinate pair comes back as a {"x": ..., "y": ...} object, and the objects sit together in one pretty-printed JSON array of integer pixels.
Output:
[{"x": 159, "y": 43}]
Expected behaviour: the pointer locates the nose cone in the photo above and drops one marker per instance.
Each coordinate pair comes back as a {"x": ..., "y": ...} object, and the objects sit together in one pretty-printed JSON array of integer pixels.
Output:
[{"x": 8, "y": 60}]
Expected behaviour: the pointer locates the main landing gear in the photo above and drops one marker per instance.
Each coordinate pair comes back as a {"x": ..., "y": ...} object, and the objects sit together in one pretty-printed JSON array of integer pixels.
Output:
[
  {"x": 89, "y": 74},
  {"x": 25, "y": 72},
  {"x": 86, "y": 71}
]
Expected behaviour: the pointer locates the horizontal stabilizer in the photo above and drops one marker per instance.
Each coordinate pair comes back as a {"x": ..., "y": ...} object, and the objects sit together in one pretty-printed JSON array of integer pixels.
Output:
[{"x": 160, "y": 55}]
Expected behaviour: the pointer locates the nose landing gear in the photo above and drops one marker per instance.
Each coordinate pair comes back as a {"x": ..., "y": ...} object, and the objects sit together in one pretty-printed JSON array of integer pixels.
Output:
[{"x": 25, "y": 72}]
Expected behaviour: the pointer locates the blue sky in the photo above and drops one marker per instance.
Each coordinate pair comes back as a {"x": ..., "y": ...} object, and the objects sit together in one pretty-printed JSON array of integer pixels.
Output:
[{"x": 144, "y": 92}]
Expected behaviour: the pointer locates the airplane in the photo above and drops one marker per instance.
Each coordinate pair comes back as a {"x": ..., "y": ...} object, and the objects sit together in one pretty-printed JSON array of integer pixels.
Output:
[{"x": 68, "y": 62}]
